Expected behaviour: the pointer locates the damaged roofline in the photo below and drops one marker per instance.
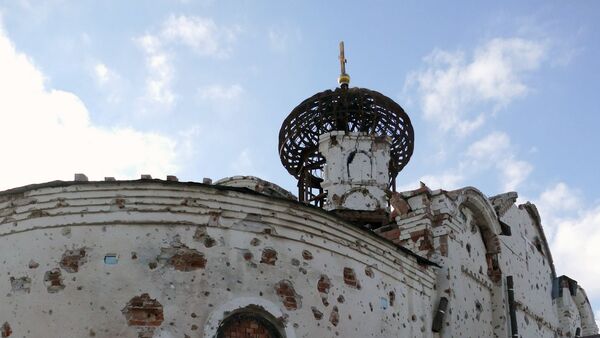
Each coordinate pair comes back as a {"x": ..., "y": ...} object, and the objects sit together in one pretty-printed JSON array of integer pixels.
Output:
[{"x": 6, "y": 194}]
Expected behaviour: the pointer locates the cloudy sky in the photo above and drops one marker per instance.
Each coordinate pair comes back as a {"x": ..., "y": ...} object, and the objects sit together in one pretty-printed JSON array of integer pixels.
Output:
[{"x": 502, "y": 97}]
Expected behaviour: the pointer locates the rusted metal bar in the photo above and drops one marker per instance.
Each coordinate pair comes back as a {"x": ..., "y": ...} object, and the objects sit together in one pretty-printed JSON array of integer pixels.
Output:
[
  {"x": 438, "y": 320},
  {"x": 512, "y": 307}
]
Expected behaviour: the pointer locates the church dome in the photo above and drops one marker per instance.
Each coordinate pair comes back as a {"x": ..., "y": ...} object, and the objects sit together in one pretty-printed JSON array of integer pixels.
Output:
[{"x": 343, "y": 109}]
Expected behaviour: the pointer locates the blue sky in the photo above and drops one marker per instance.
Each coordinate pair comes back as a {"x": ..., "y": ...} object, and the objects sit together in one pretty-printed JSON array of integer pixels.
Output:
[{"x": 502, "y": 95}]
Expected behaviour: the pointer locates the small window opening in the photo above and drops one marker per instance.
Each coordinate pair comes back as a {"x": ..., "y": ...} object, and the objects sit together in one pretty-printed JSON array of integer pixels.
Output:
[
  {"x": 538, "y": 245},
  {"x": 383, "y": 303},
  {"x": 111, "y": 259},
  {"x": 392, "y": 297}
]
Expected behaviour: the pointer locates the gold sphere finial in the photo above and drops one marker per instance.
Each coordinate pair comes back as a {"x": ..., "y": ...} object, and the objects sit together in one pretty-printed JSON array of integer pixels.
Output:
[{"x": 343, "y": 79}]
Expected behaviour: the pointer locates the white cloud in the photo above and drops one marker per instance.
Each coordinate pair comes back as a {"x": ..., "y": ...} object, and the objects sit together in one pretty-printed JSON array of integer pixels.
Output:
[
  {"x": 104, "y": 75},
  {"x": 489, "y": 148},
  {"x": 495, "y": 151},
  {"x": 200, "y": 34},
  {"x": 492, "y": 152},
  {"x": 47, "y": 133},
  {"x": 108, "y": 81},
  {"x": 101, "y": 72},
  {"x": 557, "y": 203},
  {"x": 513, "y": 173},
  {"x": 221, "y": 93},
  {"x": 573, "y": 231},
  {"x": 559, "y": 198},
  {"x": 576, "y": 240},
  {"x": 280, "y": 38},
  {"x": 222, "y": 100},
  {"x": 196, "y": 2},
  {"x": 160, "y": 69},
  {"x": 457, "y": 94},
  {"x": 244, "y": 165},
  {"x": 447, "y": 180}
]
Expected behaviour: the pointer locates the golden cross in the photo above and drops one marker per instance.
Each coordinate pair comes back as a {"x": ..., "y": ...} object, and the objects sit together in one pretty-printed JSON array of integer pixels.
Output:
[
  {"x": 342, "y": 58},
  {"x": 344, "y": 78}
]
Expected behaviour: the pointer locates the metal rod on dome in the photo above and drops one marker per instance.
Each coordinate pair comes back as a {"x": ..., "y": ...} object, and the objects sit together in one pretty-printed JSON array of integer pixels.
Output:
[{"x": 343, "y": 79}]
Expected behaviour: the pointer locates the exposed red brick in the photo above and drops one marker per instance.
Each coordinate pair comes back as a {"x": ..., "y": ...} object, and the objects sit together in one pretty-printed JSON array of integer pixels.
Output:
[
  {"x": 323, "y": 284},
  {"x": 289, "y": 297},
  {"x": 38, "y": 213},
  {"x": 187, "y": 260},
  {"x": 318, "y": 314},
  {"x": 248, "y": 256},
  {"x": 426, "y": 245},
  {"x": 416, "y": 235},
  {"x": 200, "y": 233},
  {"x": 350, "y": 278},
  {"x": 444, "y": 245},
  {"x": 182, "y": 258},
  {"x": 54, "y": 281},
  {"x": 6, "y": 330},
  {"x": 493, "y": 271},
  {"x": 209, "y": 241},
  {"x": 246, "y": 328},
  {"x": 334, "y": 317},
  {"x": 21, "y": 284},
  {"x": 120, "y": 202},
  {"x": 201, "y": 236},
  {"x": 143, "y": 311},
  {"x": 391, "y": 234},
  {"x": 146, "y": 332},
  {"x": 269, "y": 256},
  {"x": 399, "y": 204},
  {"x": 73, "y": 259},
  {"x": 214, "y": 219},
  {"x": 424, "y": 237}
]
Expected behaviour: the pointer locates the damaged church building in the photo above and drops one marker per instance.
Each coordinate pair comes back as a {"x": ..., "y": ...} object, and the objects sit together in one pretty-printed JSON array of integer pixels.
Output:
[{"x": 241, "y": 257}]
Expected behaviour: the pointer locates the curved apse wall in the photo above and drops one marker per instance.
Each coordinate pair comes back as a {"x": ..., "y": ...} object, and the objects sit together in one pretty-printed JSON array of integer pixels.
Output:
[{"x": 166, "y": 259}]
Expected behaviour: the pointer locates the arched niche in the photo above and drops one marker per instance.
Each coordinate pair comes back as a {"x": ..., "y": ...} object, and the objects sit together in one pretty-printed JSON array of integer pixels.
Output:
[
  {"x": 484, "y": 214},
  {"x": 360, "y": 166},
  {"x": 478, "y": 283},
  {"x": 250, "y": 322},
  {"x": 588, "y": 324},
  {"x": 486, "y": 219},
  {"x": 253, "y": 308}
]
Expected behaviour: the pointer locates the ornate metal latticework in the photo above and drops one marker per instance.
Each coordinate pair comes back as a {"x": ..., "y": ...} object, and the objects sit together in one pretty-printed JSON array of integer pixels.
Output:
[{"x": 343, "y": 109}]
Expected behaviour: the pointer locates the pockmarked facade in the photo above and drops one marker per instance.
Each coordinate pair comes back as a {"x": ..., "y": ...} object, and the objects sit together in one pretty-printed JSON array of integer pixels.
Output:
[{"x": 244, "y": 258}]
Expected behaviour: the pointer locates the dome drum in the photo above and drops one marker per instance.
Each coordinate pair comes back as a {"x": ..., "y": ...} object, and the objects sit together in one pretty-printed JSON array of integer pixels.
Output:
[{"x": 348, "y": 110}]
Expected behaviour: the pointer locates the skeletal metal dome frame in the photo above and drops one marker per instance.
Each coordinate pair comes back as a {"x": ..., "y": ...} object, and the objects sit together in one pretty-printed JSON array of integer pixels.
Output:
[{"x": 342, "y": 109}]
